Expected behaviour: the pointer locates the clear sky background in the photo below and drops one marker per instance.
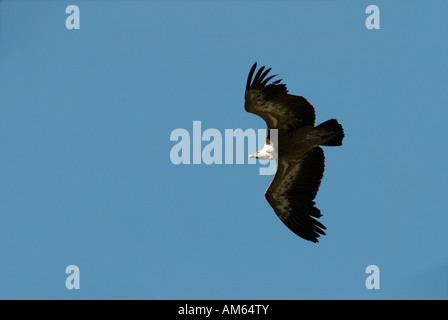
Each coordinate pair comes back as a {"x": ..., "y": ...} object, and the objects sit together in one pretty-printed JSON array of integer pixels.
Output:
[{"x": 86, "y": 177}]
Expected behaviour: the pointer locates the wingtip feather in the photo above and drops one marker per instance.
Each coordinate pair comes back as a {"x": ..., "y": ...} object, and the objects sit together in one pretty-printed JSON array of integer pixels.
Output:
[{"x": 251, "y": 73}]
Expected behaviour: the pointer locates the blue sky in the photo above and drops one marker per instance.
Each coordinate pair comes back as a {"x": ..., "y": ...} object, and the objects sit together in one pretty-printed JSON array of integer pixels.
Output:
[{"x": 85, "y": 171}]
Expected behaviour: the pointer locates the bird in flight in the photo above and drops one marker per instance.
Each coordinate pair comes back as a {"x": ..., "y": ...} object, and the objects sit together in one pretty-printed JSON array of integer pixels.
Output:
[{"x": 296, "y": 149}]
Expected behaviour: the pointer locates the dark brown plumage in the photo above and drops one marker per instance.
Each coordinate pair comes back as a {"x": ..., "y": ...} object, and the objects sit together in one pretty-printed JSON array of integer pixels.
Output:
[{"x": 300, "y": 159}]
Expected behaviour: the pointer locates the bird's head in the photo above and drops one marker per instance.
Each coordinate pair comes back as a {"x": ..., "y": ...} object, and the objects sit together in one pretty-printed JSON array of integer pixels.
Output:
[{"x": 262, "y": 155}]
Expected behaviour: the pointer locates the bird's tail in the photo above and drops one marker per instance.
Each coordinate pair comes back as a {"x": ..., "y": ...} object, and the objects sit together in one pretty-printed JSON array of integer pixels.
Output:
[{"x": 331, "y": 132}]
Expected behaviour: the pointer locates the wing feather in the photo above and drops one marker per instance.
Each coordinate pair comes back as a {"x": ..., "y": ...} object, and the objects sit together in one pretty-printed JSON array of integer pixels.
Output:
[
  {"x": 293, "y": 190},
  {"x": 272, "y": 102}
]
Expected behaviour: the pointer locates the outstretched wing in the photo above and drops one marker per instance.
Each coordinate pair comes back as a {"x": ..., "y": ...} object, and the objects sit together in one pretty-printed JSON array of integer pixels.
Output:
[
  {"x": 272, "y": 102},
  {"x": 293, "y": 190}
]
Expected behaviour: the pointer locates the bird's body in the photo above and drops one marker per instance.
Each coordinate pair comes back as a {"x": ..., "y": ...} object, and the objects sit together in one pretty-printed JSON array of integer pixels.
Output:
[
  {"x": 299, "y": 142},
  {"x": 295, "y": 147}
]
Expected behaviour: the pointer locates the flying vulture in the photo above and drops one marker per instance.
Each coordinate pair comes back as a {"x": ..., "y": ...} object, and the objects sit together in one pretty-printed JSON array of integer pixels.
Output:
[{"x": 300, "y": 159}]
